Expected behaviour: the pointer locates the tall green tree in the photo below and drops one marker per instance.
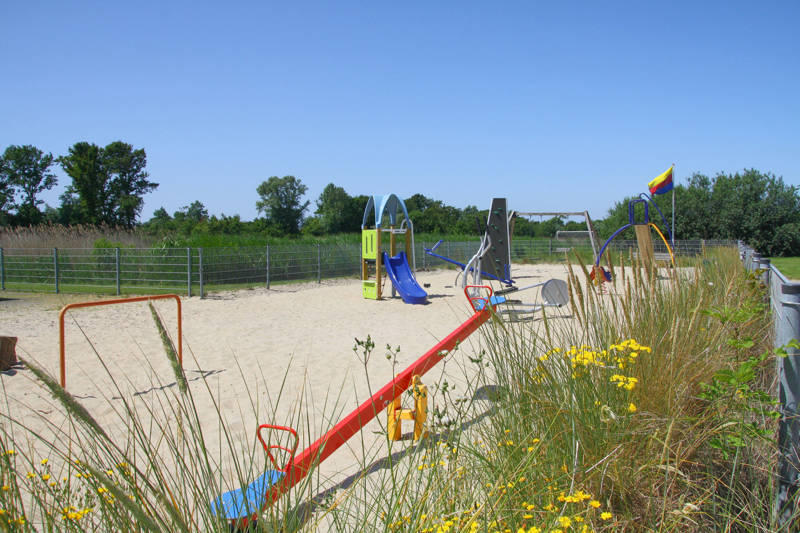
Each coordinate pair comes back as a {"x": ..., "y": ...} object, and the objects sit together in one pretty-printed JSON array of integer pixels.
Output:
[
  {"x": 6, "y": 193},
  {"x": 195, "y": 212},
  {"x": 127, "y": 181},
  {"x": 338, "y": 211},
  {"x": 27, "y": 170},
  {"x": 755, "y": 207},
  {"x": 280, "y": 199},
  {"x": 107, "y": 183},
  {"x": 88, "y": 195}
]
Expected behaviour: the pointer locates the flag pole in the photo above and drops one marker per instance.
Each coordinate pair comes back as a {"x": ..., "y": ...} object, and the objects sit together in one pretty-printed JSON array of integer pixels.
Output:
[{"x": 673, "y": 207}]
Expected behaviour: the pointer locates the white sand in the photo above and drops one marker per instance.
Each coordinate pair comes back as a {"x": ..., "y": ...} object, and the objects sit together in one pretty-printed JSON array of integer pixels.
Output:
[{"x": 304, "y": 333}]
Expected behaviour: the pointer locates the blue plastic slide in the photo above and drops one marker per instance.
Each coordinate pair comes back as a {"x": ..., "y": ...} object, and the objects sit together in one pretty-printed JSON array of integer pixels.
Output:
[{"x": 403, "y": 280}]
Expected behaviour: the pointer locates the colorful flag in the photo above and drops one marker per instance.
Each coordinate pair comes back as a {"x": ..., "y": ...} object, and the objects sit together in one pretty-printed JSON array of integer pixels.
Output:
[{"x": 661, "y": 183}]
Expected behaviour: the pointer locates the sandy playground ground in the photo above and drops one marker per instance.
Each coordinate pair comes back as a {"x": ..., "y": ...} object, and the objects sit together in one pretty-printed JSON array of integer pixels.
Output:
[{"x": 300, "y": 336}]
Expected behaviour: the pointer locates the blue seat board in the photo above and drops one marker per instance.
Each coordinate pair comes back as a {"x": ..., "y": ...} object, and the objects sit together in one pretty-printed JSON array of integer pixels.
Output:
[
  {"x": 240, "y": 503},
  {"x": 494, "y": 300}
]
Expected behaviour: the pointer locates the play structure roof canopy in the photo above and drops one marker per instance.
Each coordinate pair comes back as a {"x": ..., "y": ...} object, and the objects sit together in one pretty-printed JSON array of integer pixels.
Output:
[{"x": 380, "y": 204}]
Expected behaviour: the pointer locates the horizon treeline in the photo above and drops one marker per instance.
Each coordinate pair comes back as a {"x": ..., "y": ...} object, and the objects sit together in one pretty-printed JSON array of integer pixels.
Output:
[{"x": 109, "y": 183}]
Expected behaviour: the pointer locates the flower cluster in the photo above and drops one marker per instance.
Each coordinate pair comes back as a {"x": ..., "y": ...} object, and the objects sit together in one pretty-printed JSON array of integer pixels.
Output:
[
  {"x": 625, "y": 382},
  {"x": 74, "y": 497}
]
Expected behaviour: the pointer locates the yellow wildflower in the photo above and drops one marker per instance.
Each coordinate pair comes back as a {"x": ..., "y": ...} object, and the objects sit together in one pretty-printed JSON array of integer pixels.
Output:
[{"x": 606, "y": 515}]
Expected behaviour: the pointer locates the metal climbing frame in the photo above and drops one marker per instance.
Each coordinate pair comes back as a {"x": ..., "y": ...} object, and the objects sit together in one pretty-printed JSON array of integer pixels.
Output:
[{"x": 585, "y": 214}]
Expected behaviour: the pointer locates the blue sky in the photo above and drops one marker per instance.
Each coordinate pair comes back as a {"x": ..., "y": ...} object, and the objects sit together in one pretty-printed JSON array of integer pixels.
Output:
[{"x": 555, "y": 105}]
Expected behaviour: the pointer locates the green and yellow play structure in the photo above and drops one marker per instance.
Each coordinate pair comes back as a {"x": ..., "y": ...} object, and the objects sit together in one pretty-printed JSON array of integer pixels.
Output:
[{"x": 381, "y": 217}]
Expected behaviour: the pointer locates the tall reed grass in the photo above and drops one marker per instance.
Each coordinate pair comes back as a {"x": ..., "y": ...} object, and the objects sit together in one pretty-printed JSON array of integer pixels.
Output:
[{"x": 76, "y": 237}]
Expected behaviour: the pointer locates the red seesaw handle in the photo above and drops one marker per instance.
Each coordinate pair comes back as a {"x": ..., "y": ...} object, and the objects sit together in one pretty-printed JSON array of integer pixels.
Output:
[
  {"x": 267, "y": 447},
  {"x": 473, "y": 299}
]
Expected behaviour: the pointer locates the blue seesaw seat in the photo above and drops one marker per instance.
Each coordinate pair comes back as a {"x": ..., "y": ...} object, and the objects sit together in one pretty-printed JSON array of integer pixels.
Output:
[
  {"x": 242, "y": 503},
  {"x": 493, "y": 301}
]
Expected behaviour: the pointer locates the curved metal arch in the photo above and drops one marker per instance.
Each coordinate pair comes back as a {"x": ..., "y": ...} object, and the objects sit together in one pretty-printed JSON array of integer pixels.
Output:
[
  {"x": 605, "y": 245},
  {"x": 669, "y": 248},
  {"x": 383, "y": 203},
  {"x": 626, "y": 226}
]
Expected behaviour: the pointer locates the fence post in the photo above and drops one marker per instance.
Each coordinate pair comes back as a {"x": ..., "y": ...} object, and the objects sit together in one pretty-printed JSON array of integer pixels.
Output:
[
  {"x": 268, "y": 266},
  {"x": 55, "y": 266},
  {"x": 2, "y": 270},
  {"x": 550, "y": 241},
  {"x": 764, "y": 266},
  {"x": 116, "y": 261},
  {"x": 189, "y": 272},
  {"x": 787, "y": 327},
  {"x": 319, "y": 264},
  {"x": 423, "y": 256},
  {"x": 200, "y": 266},
  {"x": 754, "y": 261}
]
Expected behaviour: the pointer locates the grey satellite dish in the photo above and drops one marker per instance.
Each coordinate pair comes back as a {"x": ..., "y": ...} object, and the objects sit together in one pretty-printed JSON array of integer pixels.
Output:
[{"x": 555, "y": 292}]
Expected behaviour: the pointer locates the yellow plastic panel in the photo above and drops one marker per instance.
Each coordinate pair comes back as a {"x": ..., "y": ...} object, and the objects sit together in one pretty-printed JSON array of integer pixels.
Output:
[
  {"x": 369, "y": 289},
  {"x": 368, "y": 243}
]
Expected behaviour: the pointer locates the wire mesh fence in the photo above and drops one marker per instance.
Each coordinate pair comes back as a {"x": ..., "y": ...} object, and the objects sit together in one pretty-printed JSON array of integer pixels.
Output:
[{"x": 193, "y": 271}]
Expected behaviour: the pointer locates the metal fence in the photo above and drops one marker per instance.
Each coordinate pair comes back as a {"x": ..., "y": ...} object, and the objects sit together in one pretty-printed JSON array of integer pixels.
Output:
[
  {"x": 193, "y": 271},
  {"x": 784, "y": 298}
]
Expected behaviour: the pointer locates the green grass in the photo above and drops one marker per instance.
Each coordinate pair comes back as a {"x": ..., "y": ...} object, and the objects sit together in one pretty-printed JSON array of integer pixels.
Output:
[{"x": 790, "y": 266}]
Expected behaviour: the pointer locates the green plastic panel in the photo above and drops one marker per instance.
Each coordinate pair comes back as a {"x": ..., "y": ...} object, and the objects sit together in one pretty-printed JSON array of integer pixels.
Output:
[
  {"x": 369, "y": 289},
  {"x": 368, "y": 242}
]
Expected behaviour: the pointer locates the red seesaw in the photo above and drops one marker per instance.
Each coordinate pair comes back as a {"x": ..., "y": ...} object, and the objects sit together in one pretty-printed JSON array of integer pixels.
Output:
[{"x": 243, "y": 505}]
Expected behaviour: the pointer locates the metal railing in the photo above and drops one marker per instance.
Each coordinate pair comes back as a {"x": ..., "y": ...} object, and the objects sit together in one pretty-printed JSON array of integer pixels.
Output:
[
  {"x": 784, "y": 299},
  {"x": 192, "y": 271}
]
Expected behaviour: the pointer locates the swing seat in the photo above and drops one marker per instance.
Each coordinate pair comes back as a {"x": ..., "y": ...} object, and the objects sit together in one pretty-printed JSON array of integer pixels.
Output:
[{"x": 245, "y": 501}]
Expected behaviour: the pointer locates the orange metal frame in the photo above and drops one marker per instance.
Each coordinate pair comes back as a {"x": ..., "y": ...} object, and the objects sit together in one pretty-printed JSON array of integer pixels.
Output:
[{"x": 111, "y": 302}]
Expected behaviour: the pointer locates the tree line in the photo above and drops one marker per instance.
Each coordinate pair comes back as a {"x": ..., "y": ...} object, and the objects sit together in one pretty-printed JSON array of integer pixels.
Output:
[
  {"x": 107, "y": 186},
  {"x": 283, "y": 212},
  {"x": 109, "y": 183}
]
